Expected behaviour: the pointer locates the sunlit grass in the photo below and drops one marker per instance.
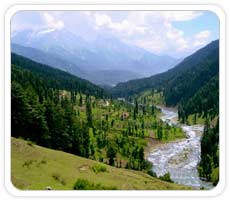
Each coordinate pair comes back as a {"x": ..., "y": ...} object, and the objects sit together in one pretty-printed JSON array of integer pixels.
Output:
[{"x": 60, "y": 171}]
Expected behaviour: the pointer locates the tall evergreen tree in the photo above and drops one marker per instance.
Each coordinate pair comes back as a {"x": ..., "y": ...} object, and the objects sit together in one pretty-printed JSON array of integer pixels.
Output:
[{"x": 89, "y": 111}]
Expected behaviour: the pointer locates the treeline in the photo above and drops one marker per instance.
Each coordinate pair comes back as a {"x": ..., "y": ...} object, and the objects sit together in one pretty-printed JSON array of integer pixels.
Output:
[{"x": 209, "y": 164}]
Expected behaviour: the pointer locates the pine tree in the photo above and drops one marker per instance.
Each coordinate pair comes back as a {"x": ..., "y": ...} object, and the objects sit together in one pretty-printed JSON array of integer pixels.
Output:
[
  {"x": 111, "y": 154},
  {"x": 159, "y": 133},
  {"x": 80, "y": 100},
  {"x": 89, "y": 112},
  {"x": 20, "y": 110},
  {"x": 135, "y": 111}
]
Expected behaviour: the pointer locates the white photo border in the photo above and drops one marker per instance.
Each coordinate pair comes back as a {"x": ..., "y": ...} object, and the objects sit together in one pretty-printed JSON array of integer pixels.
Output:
[{"x": 131, "y": 193}]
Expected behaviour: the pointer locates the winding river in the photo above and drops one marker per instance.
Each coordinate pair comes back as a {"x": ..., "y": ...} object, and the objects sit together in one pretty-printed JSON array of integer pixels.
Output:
[{"x": 180, "y": 158}]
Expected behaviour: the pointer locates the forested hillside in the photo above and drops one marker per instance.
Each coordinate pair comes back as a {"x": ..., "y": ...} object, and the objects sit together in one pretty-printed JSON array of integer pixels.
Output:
[
  {"x": 205, "y": 102},
  {"x": 187, "y": 81},
  {"x": 49, "y": 77},
  {"x": 57, "y": 110},
  {"x": 41, "y": 111}
]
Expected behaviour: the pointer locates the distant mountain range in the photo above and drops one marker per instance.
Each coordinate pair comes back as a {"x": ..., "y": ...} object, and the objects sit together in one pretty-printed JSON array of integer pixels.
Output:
[{"x": 98, "y": 60}]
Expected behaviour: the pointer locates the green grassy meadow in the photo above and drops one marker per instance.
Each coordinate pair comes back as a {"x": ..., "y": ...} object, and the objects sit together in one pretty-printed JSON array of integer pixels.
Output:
[{"x": 35, "y": 168}]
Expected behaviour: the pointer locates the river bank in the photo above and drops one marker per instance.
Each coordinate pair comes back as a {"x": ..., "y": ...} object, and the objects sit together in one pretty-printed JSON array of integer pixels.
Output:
[{"x": 180, "y": 158}]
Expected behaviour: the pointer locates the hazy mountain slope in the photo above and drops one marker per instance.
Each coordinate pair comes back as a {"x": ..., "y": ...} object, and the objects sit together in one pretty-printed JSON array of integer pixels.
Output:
[
  {"x": 101, "y": 77},
  {"x": 119, "y": 55},
  {"x": 192, "y": 73},
  {"x": 60, "y": 43},
  {"x": 112, "y": 77},
  {"x": 47, "y": 59},
  {"x": 104, "y": 53}
]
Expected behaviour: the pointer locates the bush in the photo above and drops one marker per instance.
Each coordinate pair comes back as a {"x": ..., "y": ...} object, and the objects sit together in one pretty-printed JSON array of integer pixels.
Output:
[
  {"x": 99, "y": 168},
  {"x": 166, "y": 177},
  {"x": 27, "y": 163},
  {"x": 151, "y": 173},
  {"x": 30, "y": 143},
  {"x": 58, "y": 178},
  {"x": 83, "y": 184},
  {"x": 43, "y": 161},
  {"x": 215, "y": 176}
]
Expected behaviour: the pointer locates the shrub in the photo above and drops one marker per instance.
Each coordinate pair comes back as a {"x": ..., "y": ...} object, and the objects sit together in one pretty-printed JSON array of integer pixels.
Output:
[
  {"x": 43, "y": 161},
  {"x": 151, "y": 173},
  {"x": 215, "y": 176},
  {"x": 27, "y": 163},
  {"x": 166, "y": 177},
  {"x": 58, "y": 178},
  {"x": 30, "y": 143},
  {"x": 99, "y": 168},
  {"x": 83, "y": 184}
]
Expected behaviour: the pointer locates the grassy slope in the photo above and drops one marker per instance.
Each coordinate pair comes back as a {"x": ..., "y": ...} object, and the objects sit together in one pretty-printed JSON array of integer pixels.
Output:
[{"x": 44, "y": 164}]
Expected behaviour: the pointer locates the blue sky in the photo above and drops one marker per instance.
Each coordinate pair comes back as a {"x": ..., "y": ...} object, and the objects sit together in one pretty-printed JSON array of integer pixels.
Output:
[
  {"x": 207, "y": 21},
  {"x": 174, "y": 33}
]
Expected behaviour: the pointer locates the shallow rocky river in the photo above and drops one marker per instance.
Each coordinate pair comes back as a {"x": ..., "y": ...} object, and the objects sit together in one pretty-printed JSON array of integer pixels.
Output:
[{"x": 181, "y": 158}]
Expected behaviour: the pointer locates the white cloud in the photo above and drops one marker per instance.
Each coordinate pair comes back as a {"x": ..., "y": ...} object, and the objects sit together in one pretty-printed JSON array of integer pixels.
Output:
[
  {"x": 173, "y": 33},
  {"x": 155, "y": 46},
  {"x": 182, "y": 44},
  {"x": 152, "y": 30},
  {"x": 125, "y": 26},
  {"x": 51, "y": 22},
  {"x": 180, "y": 15},
  {"x": 198, "y": 43},
  {"x": 203, "y": 35},
  {"x": 102, "y": 19},
  {"x": 201, "y": 38}
]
